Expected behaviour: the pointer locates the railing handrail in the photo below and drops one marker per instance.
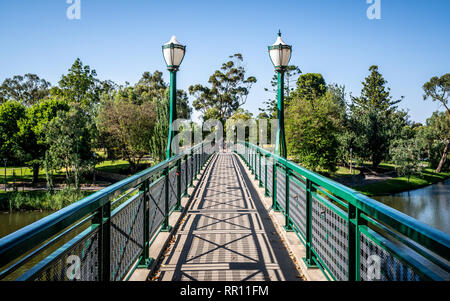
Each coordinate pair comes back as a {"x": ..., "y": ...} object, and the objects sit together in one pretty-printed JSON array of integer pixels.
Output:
[
  {"x": 433, "y": 239},
  {"x": 19, "y": 242}
]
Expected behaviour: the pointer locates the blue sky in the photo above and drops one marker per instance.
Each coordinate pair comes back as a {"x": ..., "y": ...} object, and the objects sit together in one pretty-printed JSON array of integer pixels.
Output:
[{"x": 121, "y": 39}]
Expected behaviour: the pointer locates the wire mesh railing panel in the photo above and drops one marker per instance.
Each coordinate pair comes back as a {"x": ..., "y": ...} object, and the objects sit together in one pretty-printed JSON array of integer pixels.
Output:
[
  {"x": 330, "y": 238},
  {"x": 281, "y": 188},
  {"x": 156, "y": 206},
  {"x": 270, "y": 178},
  {"x": 172, "y": 188},
  {"x": 77, "y": 262},
  {"x": 127, "y": 232},
  {"x": 378, "y": 264},
  {"x": 183, "y": 176},
  {"x": 297, "y": 204}
]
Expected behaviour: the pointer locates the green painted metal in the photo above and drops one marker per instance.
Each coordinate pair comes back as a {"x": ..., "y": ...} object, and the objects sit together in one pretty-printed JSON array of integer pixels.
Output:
[
  {"x": 419, "y": 241},
  {"x": 173, "y": 111},
  {"x": 165, "y": 226},
  {"x": 288, "y": 223},
  {"x": 145, "y": 260},
  {"x": 280, "y": 145},
  {"x": 260, "y": 178},
  {"x": 178, "y": 207},
  {"x": 96, "y": 209},
  {"x": 266, "y": 192}
]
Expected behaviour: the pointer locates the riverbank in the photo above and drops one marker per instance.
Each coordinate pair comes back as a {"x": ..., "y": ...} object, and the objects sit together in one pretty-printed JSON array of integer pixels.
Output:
[
  {"x": 40, "y": 200},
  {"x": 401, "y": 184}
]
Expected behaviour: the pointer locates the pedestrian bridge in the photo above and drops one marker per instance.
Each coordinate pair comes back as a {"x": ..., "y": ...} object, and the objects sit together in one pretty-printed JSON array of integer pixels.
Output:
[{"x": 234, "y": 215}]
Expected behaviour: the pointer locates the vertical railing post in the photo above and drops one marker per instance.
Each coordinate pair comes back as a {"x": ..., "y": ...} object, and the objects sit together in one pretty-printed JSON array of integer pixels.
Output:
[
  {"x": 178, "y": 207},
  {"x": 287, "y": 224},
  {"x": 191, "y": 164},
  {"x": 145, "y": 259},
  {"x": 274, "y": 186},
  {"x": 266, "y": 191},
  {"x": 165, "y": 226},
  {"x": 309, "y": 254},
  {"x": 252, "y": 163},
  {"x": 260, "y": 178},
  {"x": 256, "y": 164},
  {"x": 355, "y": 221},
  {"x": 103, "y": 220},
  {"x": 186, "y": 178}
]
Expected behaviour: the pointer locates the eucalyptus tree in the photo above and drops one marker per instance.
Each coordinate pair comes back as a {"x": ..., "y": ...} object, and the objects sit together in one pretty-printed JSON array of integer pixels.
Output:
[
  {"x": 229, "y": 88},
  {"x": 27, "y": 89},
  {"x": 438, "y": 89}
]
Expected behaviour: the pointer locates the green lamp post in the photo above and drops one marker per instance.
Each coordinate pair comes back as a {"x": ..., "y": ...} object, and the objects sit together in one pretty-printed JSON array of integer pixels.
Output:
[
  {"x": 280, "y": 54},
  {"x": 173, "y": 53}
]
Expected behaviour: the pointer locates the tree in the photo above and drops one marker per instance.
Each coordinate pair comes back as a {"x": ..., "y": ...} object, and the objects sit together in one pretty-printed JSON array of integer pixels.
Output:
[
  {"x": 27, "y": 89},
  {"x": 434, "y": 137},
  {"x": 79, "y": 86},
  {"x": 375, "y": 119},
  {"x": 290, "y": 78},
  {"x": 31, "y": 132},
  {"x": 310, "y": 86},
  {"x": 312, "y": 127},
  {"x": 11, "y": 112},
  {"x": 228, "y": 91},
  {"x": 69, "y": 143},
  {"x": 438, "y": 89},
  {"x": 129, "y": 127},
  {"x": 406, "y": 155}
]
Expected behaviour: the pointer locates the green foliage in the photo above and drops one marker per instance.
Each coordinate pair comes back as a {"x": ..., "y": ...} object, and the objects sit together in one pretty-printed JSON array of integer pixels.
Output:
[
  {"x": 79, "y": 86},
  {"x": 129, "y": 127},
  {"x": 28, "y": 89},
  {"x": 312, "y": 128},
  {"x": 434, "y": 138},
  {"x": 11, "y": 113},
  {"x": 228, "y": 91},
  {"x": 438, "y": 89},
  {"x": 310, "y": 86},
  {"x": 69, "y": 144},
  {"x": 406, "y": 155},
  {"x": 375, "y": 120}
]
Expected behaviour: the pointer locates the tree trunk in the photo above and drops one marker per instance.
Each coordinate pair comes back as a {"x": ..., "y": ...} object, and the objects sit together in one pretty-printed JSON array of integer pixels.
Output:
[
  {"x": 443, "y": 158},
  {"x": 35, "y": 174}
]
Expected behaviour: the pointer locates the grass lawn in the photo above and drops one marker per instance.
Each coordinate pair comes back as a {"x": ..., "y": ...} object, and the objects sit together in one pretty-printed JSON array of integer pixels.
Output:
[{"x": 400, "y": 184}]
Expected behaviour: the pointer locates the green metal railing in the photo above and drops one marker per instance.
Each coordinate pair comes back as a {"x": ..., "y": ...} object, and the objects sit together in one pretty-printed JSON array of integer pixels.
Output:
[
  {"x": 106, "y": 234},
  {"x": 345, "y": 233}
]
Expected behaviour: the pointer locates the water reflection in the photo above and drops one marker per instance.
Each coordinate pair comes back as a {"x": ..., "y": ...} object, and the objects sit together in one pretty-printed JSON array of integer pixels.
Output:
[{"x": 429, "y": 205}]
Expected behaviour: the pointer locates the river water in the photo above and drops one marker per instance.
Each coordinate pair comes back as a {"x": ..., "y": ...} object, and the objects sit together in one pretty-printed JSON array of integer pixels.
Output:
[{"x": 430, "y": 205}]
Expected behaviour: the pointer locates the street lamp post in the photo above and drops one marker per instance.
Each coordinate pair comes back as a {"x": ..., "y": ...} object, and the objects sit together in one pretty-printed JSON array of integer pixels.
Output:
[
  {"x": 173, "y": 53},
  {"x": 280, "y": 54}
]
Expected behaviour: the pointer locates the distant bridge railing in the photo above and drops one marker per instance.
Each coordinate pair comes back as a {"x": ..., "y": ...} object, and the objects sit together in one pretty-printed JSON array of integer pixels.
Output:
[
  {"x": 347, "y": 234},
  {"x": 108, "y": 233}
]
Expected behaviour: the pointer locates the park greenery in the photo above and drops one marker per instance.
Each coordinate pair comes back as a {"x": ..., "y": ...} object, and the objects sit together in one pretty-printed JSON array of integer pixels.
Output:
[{"x": 65, "y": 131}]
